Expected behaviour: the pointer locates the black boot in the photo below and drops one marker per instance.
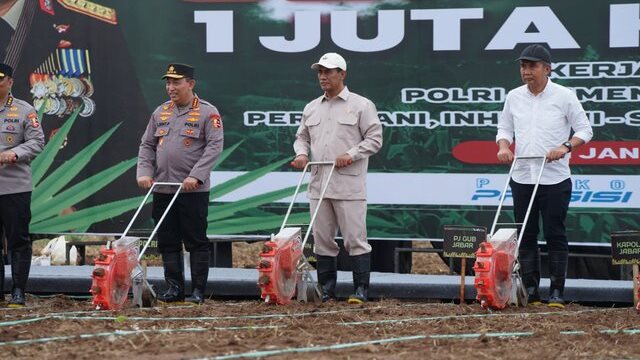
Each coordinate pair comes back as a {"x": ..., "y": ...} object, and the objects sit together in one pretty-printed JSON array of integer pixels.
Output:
[
  {"x": 20, "y": 266},
  {"x": 361, "y": 265},
  {"x": 529, "y": 260},
  {"x": 199, "y": 276},
  {"x": 327, "y": 268},
  {"x": 558, "y": 261},
  {"x": 173, "y": 264}
]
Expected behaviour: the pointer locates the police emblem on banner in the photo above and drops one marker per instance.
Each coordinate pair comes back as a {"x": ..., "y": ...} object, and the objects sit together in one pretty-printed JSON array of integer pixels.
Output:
[{"x": 63, "y": 83}]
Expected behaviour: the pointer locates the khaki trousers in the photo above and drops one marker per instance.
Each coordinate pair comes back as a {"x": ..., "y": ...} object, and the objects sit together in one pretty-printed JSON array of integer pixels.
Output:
[{"x": 347, "y": 215}]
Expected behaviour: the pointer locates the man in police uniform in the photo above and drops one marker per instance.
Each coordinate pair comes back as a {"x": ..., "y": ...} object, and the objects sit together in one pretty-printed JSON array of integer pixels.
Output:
[
  {"x": 181, "y": 144},
  {"x": 339, "y": 126},
  {"x": 21, "y": 139},
  {"x": 68, "y": 54}
]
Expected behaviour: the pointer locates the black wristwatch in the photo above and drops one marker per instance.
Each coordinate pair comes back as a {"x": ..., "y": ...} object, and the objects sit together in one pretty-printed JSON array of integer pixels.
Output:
[{"x": 568, "y": 145}]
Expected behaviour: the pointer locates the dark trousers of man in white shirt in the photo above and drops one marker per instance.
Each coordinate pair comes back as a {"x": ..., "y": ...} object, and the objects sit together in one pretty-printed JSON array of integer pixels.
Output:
[{"x": 552, "y": 203}]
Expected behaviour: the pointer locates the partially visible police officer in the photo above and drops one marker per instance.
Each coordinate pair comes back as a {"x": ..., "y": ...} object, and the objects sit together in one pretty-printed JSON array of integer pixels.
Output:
[
  {"x": 21, "y": 139},
  {"x": 182, "y": 142}
]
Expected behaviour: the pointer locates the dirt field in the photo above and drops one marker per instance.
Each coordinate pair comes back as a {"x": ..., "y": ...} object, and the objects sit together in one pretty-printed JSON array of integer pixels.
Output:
[{"x": 60, "y": 328}]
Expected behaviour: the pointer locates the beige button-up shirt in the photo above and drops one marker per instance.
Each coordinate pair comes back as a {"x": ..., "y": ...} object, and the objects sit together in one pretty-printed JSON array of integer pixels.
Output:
[
  {"x": 347, "y": 123},
  {"x": 179, "y": 143},
  {"x": 20, "y": 131}
]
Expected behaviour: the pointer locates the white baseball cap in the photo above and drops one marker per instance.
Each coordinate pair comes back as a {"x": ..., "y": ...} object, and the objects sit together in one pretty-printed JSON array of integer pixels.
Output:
[{"x": 331, "y": 61}]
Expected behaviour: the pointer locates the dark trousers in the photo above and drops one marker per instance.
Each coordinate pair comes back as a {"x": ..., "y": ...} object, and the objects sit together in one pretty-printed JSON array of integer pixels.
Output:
[
  {"x": 552, "y": 203},
  {"x": 186, "y": 222},
  {"x": 15, "y": 215}
]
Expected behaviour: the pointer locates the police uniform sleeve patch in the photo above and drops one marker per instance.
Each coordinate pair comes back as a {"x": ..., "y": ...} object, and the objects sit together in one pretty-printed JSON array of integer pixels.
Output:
[
  {"x": 216, "y": 121},
  {"x": 92, "y": 9},
  {"x": 33, "y": 118}
]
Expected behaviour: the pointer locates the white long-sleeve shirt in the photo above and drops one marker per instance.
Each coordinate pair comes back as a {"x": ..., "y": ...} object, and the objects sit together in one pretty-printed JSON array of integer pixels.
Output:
[{"x": 540, "y": 123}]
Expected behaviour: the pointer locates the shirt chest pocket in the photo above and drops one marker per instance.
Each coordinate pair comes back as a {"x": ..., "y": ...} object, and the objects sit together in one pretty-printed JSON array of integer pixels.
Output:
[
  {"x": 312, "y": 123},
  {"x": 189, "y": 138},
  {"x": 348, "y": 127},
  {"x": 162, "y": 131},
  {"x": 190, "y": 133},
  {"x": 11, "y": 134}
]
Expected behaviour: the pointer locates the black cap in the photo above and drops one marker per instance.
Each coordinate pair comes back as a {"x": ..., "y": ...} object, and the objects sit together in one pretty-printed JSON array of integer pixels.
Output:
[
  {"x": 5, "y": 70},
  {"x": 536, "y": 52},
  {"x": 179, "y": 71}
]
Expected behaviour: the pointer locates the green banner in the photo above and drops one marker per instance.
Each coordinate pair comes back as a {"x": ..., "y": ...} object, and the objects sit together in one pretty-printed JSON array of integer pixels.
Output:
[{"x": 437, "y": 71}]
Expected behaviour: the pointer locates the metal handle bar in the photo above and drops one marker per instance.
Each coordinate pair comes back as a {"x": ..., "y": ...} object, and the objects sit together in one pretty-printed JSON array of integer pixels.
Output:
[
  {"x": 164, "y": 214},
  {"x": 295, "y": 195},
  {"x": 533, "y": 195}
]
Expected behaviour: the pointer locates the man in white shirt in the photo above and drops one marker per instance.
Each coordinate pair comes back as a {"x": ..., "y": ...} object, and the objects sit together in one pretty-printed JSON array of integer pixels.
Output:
[{"x": 540, "y": 115}]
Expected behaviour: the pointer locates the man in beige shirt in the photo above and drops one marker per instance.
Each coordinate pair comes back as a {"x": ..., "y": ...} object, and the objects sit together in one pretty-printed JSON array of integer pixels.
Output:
[{"x": 339, "y": 126}]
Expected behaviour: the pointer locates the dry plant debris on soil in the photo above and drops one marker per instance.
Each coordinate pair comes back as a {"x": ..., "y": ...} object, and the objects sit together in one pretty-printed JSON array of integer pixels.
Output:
[{"x": 62, "y": 328}]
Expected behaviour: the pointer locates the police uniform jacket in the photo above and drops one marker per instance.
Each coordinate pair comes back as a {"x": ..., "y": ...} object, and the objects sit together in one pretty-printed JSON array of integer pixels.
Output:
[
  {"x": 179, "y": 143},
  {"x": 20, "y": 132},
  {"x": 347, "y": 123}
]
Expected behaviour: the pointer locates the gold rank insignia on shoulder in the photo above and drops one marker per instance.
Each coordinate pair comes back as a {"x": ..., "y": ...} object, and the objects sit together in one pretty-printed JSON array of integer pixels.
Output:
[{"x": 92, "y": 9}]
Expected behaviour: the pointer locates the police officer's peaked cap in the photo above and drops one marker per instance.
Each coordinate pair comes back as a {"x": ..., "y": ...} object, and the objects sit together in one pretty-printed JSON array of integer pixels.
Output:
[
  {"x": 535, "y": 52},
  {"x": 5, "y": 70},
  {"x": 179, "y": 71}
]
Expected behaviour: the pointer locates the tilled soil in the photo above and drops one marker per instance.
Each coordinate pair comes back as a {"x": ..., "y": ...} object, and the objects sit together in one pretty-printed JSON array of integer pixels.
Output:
[{"x": 61, "y": 328}]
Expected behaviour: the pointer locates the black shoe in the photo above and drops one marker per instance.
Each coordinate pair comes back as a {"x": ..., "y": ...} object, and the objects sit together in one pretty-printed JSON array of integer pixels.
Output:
[
  {"x": 196, "y": 298},
  {"x": 359, "y": 297},
  {"x": 327, "y": 297},
  {"x": 172, "y": 295},
  {"x": 17, "y": 298},
  {"x": 556, "y": 300}
]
